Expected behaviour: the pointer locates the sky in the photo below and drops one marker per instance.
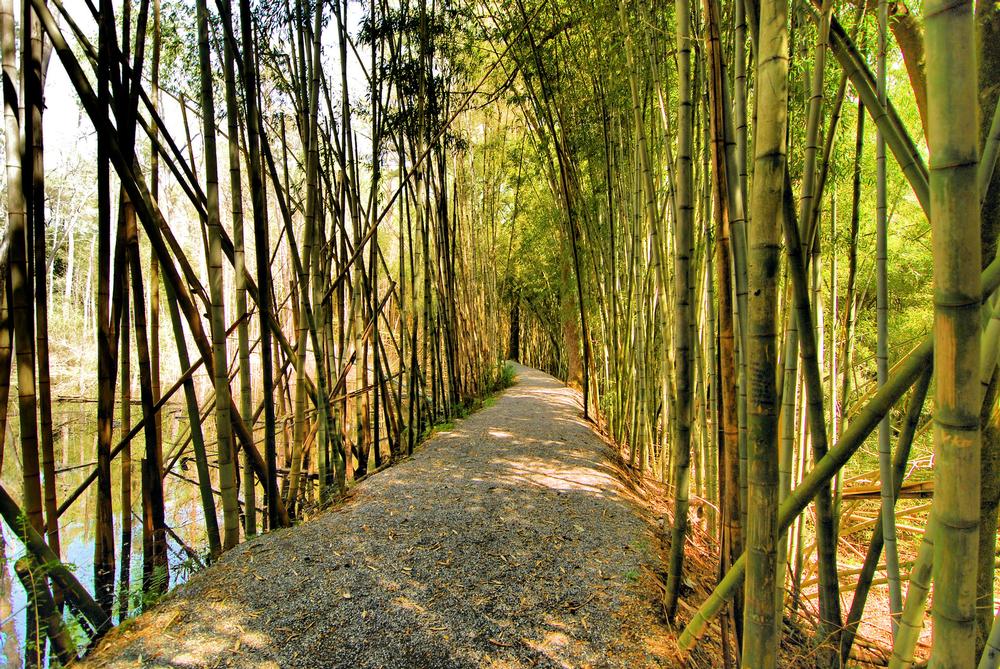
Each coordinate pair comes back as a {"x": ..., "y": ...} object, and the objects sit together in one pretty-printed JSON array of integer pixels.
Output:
[{"x": 68, "y": 130}]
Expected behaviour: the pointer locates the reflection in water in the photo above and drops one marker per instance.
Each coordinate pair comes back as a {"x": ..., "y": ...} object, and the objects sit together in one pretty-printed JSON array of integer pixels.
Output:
[{"x": 75, "y": 444}]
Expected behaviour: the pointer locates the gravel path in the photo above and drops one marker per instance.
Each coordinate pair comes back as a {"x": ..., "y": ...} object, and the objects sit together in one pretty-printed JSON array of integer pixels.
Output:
[{"x": 508, "y": 541}]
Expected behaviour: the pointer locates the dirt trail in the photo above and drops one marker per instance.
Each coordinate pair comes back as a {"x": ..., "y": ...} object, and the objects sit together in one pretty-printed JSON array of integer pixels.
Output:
[{"x": 508, "y": 541}]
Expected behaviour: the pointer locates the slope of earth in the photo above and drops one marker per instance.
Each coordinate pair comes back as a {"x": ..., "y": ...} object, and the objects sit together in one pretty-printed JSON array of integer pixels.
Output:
[{"x": 509, "y": 541}]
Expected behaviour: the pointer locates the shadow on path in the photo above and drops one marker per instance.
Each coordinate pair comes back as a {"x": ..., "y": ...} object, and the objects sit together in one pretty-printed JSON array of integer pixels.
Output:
[{"x": 507, "y": 542}]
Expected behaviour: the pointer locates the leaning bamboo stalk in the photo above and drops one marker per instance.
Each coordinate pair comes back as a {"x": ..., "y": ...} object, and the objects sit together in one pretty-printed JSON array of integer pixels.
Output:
[
  {"x": 900, "y": 458},
  {"x": 155, "y": 567},
  {"x": 911, "y": 620},
  {"x": 990, "y": 658},
  {"x": 197, "y": 437},
  {"x": 988, "y": 161},
  {"x": 48, "y": 616},
  {"x": 95, "y": 617},
  {"x": 885, "y": 116},
  {"x": 830, "y": 615}
]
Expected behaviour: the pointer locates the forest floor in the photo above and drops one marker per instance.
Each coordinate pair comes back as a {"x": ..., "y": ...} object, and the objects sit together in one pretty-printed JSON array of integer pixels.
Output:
[{"x": 514, "y": 539}]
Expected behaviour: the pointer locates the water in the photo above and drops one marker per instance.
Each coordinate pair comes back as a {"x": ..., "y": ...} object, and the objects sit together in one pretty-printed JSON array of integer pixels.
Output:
[{"x": 75, "y": 426}]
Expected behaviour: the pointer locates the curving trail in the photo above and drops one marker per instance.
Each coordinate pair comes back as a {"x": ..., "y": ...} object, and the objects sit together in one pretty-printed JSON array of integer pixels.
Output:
[{"x": 509, "y": 541}]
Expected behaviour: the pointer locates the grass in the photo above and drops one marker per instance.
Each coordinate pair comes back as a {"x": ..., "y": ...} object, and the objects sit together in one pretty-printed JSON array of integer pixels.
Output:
[
  {"x": 502, "y": 378},
  {"x": 443, "y": 427},
  {"x": 643, "y": 547}
]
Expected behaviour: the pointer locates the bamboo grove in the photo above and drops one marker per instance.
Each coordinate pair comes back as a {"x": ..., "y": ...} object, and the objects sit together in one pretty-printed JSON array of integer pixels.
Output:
[
  {"x": 333, "y": 296},
  {"x": 760, "y": 237},
  {"x": 704, "y": 227}
]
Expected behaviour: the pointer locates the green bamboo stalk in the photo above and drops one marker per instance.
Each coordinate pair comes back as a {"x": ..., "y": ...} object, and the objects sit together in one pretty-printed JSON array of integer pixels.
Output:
[
  {"x": 882, "y": 329},
  {"x": 240, "y": 279},
  {"x": 261, "y": 243},
  {"x": 791, "y": 387},
  {"x": 227, "y": 468},
  {"x": 740, "y": 92},
  {"x": 952, "y": 111},
  {"x": 761, "y": 620},
  {"x": 991, "y": 655},
  {"x": 682, "y": 317},
  {"x": 911, "y": 620},
  {"x": 988, "y": 161},
  {"x": 197, "y": 437},
  {"x": 21, "y": 311}
]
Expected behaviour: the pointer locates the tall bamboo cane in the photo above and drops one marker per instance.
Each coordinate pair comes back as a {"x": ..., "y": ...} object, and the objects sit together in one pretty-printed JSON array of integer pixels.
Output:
[
  {"x": 953, "y": 144},
  {"x": 227, "y": 469},
  {"x": 761, "y": 619}
]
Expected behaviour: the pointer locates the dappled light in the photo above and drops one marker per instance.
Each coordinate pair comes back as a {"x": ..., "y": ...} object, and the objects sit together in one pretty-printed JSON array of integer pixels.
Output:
[
  {"x": 514, "y": 546},
  {"x": 525, "y": 333}
]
